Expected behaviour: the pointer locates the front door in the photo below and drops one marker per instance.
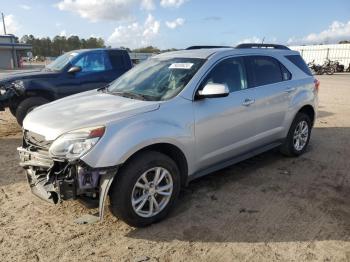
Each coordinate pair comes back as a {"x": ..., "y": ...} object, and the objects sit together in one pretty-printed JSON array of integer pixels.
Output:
[
  {"x": 225, "y": 127},
  {"x": 94, "y": 66}
]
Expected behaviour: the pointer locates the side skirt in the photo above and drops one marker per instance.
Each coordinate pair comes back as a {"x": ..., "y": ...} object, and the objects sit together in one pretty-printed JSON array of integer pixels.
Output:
[{"x": 232, "y": 161}]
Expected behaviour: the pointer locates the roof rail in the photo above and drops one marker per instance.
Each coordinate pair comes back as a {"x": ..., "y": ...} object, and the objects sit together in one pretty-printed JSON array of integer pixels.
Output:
[
  {"x": 206, "y": 46},
  {"x": 272, "y": 46}
]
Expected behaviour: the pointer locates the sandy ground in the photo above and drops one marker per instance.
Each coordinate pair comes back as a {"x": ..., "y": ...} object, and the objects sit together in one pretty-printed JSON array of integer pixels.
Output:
[{"x": 269, "y": 208}]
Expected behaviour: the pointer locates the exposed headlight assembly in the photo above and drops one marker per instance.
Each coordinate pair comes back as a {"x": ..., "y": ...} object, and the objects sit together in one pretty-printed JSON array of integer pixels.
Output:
[
  {"x": 74, "y": 144},
  {"x": 18, "y": 85}
]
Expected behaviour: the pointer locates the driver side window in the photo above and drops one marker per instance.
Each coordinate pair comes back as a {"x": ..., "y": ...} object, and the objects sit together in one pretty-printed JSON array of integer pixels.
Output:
[
  {"x": 93, "y": 62},
  {"x": 231, "y": 72}
]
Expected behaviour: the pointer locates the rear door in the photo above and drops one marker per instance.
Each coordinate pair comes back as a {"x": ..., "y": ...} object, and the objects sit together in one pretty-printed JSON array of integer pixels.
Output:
[
  {"x": 270, "y": 79},
  {"x": 225, "y": 127}
]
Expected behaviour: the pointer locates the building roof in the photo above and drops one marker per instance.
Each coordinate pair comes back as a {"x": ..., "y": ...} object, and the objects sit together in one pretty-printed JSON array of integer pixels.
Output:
[{"x": 17, "y": 46}]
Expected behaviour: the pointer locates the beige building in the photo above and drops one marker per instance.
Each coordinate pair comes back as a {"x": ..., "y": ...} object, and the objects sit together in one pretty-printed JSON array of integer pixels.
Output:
[{"x": 11, "y": 52}]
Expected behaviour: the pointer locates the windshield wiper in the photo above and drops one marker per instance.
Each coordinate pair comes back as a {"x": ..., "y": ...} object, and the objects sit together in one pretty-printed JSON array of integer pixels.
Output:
[
  {"x": 131, "y": 95},
  {"x": 104, "y": 88}
]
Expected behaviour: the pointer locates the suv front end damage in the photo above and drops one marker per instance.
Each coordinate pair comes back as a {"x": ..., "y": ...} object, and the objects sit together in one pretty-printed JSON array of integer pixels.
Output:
[
  {"x": 9, "y": 93},
  {"x": 58, "y": 179}
]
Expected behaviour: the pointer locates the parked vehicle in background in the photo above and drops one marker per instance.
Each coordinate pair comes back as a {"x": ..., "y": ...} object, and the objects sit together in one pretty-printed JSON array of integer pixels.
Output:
[
  {"x": 338, "y": 67},
  {"x": 173, "y": 118},
  {"x": 328, "y": 67},
  {"x": 315, "y": 69},
  {"x": 348, "y": 69},
  {"x": 71, "y": 73}
]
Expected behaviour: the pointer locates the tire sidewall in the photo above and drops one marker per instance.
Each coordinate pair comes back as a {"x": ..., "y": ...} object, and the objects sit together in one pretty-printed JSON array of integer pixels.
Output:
[{"x": 128, "y": 177}]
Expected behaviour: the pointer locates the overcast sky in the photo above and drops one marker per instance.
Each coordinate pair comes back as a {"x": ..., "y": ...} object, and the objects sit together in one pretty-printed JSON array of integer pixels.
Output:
[{"x": 180, "y": 23}]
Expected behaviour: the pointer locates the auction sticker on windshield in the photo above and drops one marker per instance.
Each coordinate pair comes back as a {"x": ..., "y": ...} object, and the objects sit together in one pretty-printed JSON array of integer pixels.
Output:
[{"x": 181, "y": 66}]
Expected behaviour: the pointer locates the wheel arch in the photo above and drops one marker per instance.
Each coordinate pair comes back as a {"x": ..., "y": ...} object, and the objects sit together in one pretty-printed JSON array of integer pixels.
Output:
[
  {"x": 309, "y": 111},
  {"x": 172, "y": 151}
]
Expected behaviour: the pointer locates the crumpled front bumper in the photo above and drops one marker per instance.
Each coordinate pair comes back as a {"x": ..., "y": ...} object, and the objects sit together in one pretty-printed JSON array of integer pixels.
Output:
[
  {"x": 37, "y": 167},
  {"x": 6, "y": 96},
  {"x": 55, "y": 181}
]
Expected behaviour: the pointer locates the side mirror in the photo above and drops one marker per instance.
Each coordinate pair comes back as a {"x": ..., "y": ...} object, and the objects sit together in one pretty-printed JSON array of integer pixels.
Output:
[
  {"x": 212, "y": 90},
  {"x": 74, "y": 69}
]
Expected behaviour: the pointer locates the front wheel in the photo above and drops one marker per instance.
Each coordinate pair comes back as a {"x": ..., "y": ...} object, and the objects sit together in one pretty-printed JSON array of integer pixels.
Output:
[
  {"x": 298, "y": 136},
  {"x": 28, "y": 105},
  {"x": 145, "y": 189}
]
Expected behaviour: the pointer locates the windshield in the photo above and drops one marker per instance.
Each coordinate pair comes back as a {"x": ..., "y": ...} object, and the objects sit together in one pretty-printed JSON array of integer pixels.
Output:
[
  {"x": 156, "y": 79},
  {"x": 60, "y": 62}
]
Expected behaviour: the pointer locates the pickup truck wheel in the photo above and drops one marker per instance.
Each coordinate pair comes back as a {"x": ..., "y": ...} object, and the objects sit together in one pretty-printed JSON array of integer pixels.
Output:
[
  {"x": 13, "y": 110},
  {"x": 298, "y": 136},
  {"x": 28, "y": 105},
  {"x": 145, "y": 190}
]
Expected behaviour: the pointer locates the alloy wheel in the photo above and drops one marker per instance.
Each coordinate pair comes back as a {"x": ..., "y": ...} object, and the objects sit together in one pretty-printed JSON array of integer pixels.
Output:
[
  {"x": 152, "y": 192},
  {"x": 301, "y": 135}
]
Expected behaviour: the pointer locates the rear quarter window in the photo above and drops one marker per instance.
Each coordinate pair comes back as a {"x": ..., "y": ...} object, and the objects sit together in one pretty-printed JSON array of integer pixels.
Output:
[
  {"x": 300, "y": 63},
  {"x": 118, "y": 59}
]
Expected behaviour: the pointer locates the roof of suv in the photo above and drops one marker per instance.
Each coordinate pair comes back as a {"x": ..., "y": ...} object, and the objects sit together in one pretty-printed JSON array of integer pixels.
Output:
[{"x": 207, "y": 52}]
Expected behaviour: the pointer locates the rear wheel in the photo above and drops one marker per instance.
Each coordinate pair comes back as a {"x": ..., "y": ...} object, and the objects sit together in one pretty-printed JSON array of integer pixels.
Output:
[
  {"x": 145, "y": 190},
  {"x": 28, "y": 105},
  {"x": 298, "y": 136},
  {"x": 330, "y": 70}
]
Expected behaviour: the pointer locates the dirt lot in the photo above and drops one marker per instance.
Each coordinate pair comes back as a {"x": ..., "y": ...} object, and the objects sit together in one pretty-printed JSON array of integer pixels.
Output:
[{"x": 269, "y": 208}]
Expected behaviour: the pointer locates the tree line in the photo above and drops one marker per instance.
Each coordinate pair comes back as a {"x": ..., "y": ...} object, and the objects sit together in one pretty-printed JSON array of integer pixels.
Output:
[
  {"x": 47, "y": 47},
  {"x": 60, "y": 44}
]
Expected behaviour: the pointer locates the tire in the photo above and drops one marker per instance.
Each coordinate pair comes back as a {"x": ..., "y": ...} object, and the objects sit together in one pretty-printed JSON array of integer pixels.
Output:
[
  {"x": 28, "y": 105},
  {"x": 330, "y": 71},
  {"x": 289, "y": 147},
  {"x": 13, "y": 110},
  {"x": 124, "y": 189}
]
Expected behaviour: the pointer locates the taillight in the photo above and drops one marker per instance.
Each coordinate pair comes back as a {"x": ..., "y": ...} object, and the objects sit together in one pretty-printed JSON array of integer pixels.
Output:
[{"x": 317, "y": 84}]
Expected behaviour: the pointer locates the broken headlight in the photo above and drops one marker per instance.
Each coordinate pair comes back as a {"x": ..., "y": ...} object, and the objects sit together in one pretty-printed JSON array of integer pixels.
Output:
[
  {"x": 18, "y": 85},
  {"x": 74, "y": 144}
]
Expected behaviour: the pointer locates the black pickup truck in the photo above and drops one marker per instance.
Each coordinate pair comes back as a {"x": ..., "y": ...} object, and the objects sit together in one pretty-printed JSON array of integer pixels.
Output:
[{"x": 70, "y": 73}]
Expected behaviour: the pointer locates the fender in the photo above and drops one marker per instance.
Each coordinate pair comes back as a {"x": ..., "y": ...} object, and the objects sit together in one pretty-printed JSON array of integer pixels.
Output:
[
  {"x": 124, "y": 139},
  {"x": 40, "y": 87}
]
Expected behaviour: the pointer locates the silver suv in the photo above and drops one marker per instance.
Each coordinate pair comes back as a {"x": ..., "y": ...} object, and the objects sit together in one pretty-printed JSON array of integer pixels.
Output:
[{"x": 171, "y": 119}]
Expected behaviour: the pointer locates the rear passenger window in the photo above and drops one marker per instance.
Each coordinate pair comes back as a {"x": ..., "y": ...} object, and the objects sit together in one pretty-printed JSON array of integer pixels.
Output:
[
  {"x": 117, "y": 60},
  {"x": 265, "y": 70},
  {"x": 230, "y": 72},
  {"x": 299, "y": 62}
]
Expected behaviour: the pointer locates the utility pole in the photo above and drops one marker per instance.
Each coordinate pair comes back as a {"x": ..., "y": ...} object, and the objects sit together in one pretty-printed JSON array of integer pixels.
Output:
[{"x": 3, "y": 22}]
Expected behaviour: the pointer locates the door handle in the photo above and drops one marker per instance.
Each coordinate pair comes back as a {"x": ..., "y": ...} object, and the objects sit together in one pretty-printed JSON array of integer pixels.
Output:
[
  {"x": 248, "y": 102},
  {"x": 290, "y": 90}
]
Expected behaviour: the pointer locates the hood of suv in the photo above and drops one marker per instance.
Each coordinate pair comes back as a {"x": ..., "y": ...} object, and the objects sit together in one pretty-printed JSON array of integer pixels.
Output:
[
  {"x": 88, "y": 109},
  {"x": 27, "y": 75}
]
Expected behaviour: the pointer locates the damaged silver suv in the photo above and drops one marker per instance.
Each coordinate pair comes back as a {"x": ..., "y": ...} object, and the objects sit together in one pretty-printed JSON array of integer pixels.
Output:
[{"x": 171, "y": 119}]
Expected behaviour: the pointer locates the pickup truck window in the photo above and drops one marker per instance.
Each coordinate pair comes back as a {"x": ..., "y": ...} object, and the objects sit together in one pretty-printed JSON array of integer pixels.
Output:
[
  {"x": 93, "y": 62},
  {"x": 156, "y": 79}
]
